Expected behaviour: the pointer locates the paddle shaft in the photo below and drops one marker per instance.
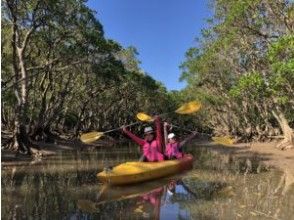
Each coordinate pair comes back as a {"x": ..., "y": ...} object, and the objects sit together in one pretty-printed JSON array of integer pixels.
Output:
[
  {"x": 116, "y": 129},
  {"x": 176, "y": 126},
  {"x": 94, "y": 135}
]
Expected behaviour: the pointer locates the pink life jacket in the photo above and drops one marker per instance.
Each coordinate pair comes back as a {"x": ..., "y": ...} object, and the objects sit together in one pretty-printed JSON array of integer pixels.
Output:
[
  {"x": 151, "y": 152},
  {"x": 173, "y": 150}
]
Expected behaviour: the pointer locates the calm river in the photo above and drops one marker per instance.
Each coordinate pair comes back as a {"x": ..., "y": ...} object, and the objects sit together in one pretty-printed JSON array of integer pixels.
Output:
[{"x": 65, "y": 187}]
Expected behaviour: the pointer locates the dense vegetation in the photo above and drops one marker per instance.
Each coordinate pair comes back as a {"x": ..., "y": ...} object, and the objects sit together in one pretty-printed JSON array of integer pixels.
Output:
[
  {"x": 61, "y": 75},
  {"x": 243, "y": 69}
]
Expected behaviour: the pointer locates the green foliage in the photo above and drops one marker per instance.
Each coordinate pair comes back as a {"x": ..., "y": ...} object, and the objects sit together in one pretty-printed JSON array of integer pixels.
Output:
[
  {"x": 281, "y": 58},
  {"x": 242, "y": 68},
  {"x": 281, "y": 54},
  {"x": 77, "y": 78},
  {"x": 252, "y": 85}
]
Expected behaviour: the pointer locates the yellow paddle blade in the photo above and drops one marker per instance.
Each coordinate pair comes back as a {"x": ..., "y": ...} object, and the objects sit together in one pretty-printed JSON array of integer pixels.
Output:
[
  {"x": 144, "y": 117},
  {"x": 87, "y": 206},
  {"x": 223, "y": 140},
  {"x": 189, "y": 108},
  {"x": 91, "y": 136}
]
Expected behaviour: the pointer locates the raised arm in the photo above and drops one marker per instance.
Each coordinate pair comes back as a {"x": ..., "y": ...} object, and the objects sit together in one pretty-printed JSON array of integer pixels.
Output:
[
  {"x": 165, "y": 124},
  {"x": 159, "y": 133},
  {"x": 189, "y": 138},
  {"x": 135, "y": 138}
]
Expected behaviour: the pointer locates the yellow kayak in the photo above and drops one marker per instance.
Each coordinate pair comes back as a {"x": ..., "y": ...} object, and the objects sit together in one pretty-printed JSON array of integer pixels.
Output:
[{"x": 134, "y": 172}]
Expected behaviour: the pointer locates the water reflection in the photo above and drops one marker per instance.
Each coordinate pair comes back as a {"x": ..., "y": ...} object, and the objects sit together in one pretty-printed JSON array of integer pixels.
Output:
[
  {"x": 152, "y": 200},
  {"x": 65, "y": 187},
  {"x": 175, "y": 191}
]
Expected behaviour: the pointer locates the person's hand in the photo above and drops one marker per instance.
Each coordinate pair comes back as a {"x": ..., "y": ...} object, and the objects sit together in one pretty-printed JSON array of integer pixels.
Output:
[{"x": 165, "y": 124}]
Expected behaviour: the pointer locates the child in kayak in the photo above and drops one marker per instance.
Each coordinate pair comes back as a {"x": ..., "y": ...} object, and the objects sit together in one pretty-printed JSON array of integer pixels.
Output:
[
  {"x": 151, "y": 146},
  {"x": 174, "y": 148}
]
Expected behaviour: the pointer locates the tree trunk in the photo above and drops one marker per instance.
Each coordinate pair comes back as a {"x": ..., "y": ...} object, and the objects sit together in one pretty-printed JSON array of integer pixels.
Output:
[
  {"x": 21, "y": 141},
  {"x": 38, "y": 130},
  {"x": 288, "y": 141},
  {"x": 77, "y": 127}
]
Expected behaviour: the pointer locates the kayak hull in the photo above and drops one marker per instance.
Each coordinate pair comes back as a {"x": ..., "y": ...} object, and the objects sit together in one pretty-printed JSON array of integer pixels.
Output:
[{"x": 135, "y": 172}]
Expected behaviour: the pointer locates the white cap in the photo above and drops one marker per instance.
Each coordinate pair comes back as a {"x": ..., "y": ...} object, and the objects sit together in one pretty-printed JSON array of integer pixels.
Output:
[
  {"x": 171, "y": 135},
  {"x": 148, "y": 130}
]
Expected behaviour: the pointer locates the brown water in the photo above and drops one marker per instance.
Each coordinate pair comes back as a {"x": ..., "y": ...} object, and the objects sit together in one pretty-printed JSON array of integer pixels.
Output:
[{"x": 65, "y": 187}]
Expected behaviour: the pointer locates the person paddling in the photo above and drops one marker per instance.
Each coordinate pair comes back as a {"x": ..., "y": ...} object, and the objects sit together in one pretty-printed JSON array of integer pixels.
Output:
[
  {"x": 152, "y": 146},
  {"x": 174, "y": 148}
]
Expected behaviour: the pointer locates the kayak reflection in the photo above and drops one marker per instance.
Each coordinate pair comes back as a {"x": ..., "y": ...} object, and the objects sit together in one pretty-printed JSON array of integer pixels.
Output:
[{"x": 144, "y": 201}]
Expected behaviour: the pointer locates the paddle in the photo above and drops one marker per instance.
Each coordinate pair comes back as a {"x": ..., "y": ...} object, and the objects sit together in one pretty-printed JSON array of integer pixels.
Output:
[
  {"x": 225, "y": 140},
  {"x": 187, "y": 108},
  {"x": 95, "y": 135}
]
